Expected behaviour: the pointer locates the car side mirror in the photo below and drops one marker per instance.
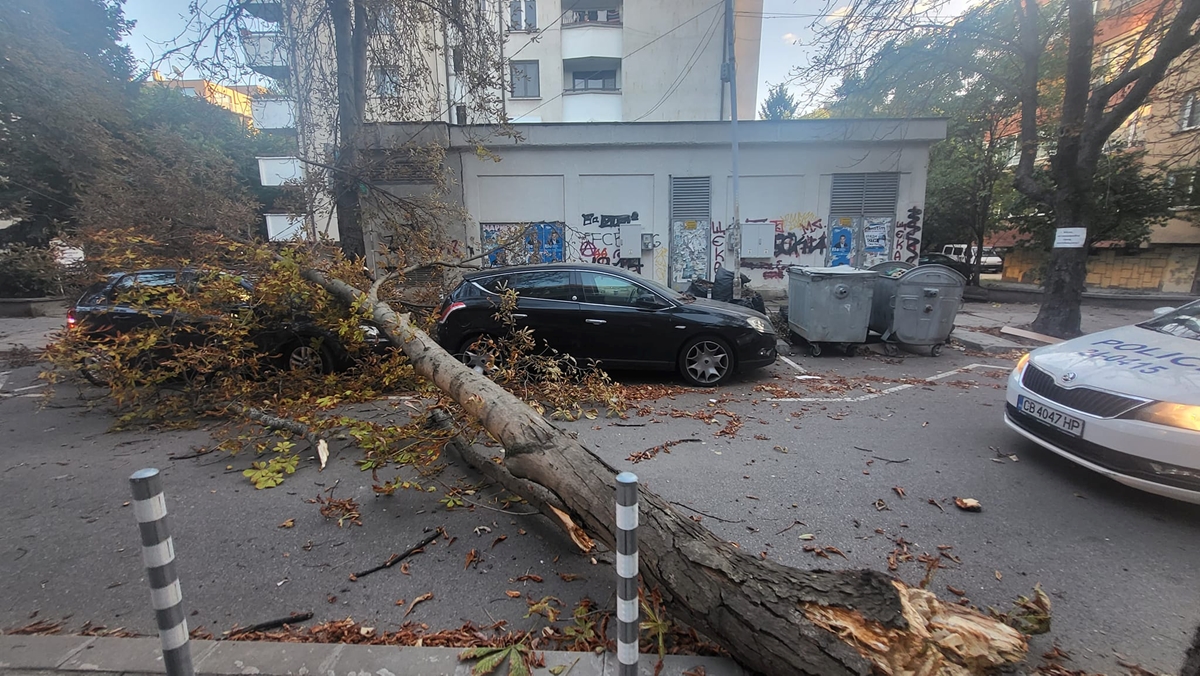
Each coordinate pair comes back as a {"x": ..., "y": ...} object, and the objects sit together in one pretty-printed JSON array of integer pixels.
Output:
[{"x": 1160, "y": 311}]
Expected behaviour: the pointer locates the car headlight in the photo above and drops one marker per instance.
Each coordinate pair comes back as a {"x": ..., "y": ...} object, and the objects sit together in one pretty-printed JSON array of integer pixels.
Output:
[
  {"x": 1172, "y": 415},
  {"x": 1021, "y": 364},
  {"x": 759, "y": 324}
]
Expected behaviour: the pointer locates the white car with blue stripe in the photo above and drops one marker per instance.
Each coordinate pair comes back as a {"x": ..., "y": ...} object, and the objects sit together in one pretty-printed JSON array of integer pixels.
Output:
[{"x": 1124, "y": 403}]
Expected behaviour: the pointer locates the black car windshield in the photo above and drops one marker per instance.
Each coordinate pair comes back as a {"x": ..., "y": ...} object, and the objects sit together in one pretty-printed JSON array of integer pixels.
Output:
[{"x": 1183, "y": 322}]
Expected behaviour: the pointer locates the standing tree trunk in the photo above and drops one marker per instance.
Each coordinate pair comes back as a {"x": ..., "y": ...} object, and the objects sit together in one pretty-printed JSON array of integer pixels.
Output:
[
  {"x": 1063, "y": 282},
  {"x": 349, "y": 36},
  {"x": 772, "y": 618}
]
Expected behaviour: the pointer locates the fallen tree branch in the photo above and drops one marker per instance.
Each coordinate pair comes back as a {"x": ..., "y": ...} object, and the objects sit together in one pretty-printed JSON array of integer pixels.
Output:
[
  {"x": 294, "y": 618},
  {"x": 772, "y": 618},
  {"x": 397, "y": 558}
]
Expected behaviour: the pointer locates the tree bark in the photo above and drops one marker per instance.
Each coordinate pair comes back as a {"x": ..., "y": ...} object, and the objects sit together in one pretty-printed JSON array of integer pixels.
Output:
[
  {"x": 771, "y": 618},
  {"x": 351, "y": 102}
]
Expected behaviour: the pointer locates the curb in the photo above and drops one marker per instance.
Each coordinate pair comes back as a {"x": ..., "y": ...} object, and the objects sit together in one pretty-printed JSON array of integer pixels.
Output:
[
  {"x": 989, "y": 344},
  {"x": 1093, "y": 298},
  {"x": 27, "y": 655}
]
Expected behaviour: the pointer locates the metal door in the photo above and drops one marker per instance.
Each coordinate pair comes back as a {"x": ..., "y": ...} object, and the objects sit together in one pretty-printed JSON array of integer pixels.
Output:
[{"x": 690, "y": 252}]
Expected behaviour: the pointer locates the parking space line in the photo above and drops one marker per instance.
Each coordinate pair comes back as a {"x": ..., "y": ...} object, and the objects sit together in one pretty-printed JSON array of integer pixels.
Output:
[
  {"x": 793, "y": 364},
  {"x": 890, "y": 390},
  {"x": 4, "y": 378}
]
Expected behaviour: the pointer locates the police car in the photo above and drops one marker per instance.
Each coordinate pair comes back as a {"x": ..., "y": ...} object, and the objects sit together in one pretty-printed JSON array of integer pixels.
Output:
[{"x": 1124, "y": 403}]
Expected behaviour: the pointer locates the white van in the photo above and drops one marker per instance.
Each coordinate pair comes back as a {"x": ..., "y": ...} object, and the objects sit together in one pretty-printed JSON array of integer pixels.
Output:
[{"x": 961, "y": 252}]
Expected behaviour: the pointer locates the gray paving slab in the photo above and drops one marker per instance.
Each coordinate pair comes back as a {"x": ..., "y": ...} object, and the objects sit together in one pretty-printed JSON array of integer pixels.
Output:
[
  {"x": 39, "y": 652},
  {"x": 238, "y": 657},
  {"x": 128, "y": 655}
]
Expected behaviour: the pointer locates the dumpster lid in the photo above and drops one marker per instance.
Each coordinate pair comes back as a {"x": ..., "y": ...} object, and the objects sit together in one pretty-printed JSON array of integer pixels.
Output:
[{"x": 839, "y": 270}]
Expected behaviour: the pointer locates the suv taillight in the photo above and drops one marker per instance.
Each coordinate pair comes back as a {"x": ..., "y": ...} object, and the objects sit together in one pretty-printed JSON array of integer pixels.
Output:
[
  {"x": 450, "y": 308},
  {"x": 71, "y": 318}
]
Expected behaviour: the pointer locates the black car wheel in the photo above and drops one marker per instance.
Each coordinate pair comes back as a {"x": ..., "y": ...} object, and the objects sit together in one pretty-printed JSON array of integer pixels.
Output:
[
  {"x": 97, "y": 368},
  {"x": 478, "y": 355},
  {"x": 309, "y": 358},
  {"x": 705, "y": 361}
]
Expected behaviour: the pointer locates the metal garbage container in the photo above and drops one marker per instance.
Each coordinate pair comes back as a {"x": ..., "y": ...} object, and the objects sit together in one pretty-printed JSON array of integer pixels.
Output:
[
  {"x": 830, "y": 305},
  {"x": 916, "y": 307}
]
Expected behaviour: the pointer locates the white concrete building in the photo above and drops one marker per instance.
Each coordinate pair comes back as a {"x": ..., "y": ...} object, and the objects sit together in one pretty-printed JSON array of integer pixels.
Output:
[
  {"x": 563, "y": 61},
  {"x": 657, "y": 198}
]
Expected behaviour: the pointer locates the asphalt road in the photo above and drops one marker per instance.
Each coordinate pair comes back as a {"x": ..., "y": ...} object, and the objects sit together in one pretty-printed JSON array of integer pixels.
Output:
[{"x": 1119, "y": 565}]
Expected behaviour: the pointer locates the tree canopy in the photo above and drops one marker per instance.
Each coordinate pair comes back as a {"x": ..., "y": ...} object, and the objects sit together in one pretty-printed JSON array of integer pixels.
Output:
[{"x": 779, "y": 104}]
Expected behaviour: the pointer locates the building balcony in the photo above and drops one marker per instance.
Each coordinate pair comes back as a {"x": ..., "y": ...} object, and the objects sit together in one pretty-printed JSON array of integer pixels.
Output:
[
  {"x": 266, "y": 53},
  {"x": 592, "y": 41},
  {"x": 588, "y": 17},
  {"x": 274, "y": 171},
  {"x": 273, "y": 113},
  {"x": 267, "y": 10},
  {"x": 592, "y": 105}
]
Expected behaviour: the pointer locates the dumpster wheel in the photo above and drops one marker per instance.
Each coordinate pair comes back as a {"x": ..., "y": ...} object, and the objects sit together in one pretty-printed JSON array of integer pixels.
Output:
[
  {"x": 891, "y": 349},
  {"x": 814, "y": 349},
  {"x": 935, "y": 350}
]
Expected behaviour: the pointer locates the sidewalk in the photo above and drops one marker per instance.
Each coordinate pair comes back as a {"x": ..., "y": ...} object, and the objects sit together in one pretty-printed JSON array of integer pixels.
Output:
[
  {"x": 980, "y": 315},
  {"x": 45, "y": 655},
  {"x": 33, "y": 333},
  {"x": 1015, "y": 292}
]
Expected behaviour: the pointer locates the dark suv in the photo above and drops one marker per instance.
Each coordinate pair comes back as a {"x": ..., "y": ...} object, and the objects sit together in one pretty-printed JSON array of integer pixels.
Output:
[
  {"x": 615, "y": 317},
  {"x": 108, "y": 309}
]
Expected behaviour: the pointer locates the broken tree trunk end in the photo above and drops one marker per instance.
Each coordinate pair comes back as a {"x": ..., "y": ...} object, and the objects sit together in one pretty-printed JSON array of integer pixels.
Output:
[{"x": 772, "y": 619}]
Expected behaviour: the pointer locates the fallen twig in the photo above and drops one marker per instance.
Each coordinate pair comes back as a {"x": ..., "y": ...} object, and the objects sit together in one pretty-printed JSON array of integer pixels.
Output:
[
  {"x": 397, "y": 558},
  {"x": 294, "y": 618},
  {"x": 715, "y": 518},
  {"x": 794, "y": 524},
  {"x": 189, "y": 456},
  {"x": 889, "y": 460},
  {"x": 654, "y": 450}
]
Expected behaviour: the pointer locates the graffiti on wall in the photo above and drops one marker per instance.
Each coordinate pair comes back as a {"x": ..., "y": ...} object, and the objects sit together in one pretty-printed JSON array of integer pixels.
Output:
[
  {"x": 607, "y": 221},
  {"x": 907, "y": 246},
  {"x": 543, "y": 243},
  {"x": 718, "y": 244},
  {"x": 800, "y": 239}
]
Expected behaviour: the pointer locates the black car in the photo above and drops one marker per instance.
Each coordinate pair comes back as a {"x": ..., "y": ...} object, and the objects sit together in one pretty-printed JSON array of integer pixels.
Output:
[
  {"x": 108, "y": 309},
  {"x": 933, "y": 258},
  {"x": 617, "y": 318}
]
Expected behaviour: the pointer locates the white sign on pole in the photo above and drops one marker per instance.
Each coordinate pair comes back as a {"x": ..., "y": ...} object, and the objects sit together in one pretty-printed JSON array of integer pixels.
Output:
[{"x": 1070, "y": 238}]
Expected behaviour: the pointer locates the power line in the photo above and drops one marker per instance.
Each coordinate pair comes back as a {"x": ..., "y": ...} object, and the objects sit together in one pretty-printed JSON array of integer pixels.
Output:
[{"x": 689, "y": 65}]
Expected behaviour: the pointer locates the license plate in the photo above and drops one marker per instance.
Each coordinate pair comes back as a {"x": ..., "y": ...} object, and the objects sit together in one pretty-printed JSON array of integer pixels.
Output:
[{"x": 1050, "y": 416}]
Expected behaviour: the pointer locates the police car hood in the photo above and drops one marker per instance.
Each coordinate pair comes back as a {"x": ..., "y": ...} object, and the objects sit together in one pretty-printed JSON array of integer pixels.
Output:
[{"x": 1130, "y": 360}]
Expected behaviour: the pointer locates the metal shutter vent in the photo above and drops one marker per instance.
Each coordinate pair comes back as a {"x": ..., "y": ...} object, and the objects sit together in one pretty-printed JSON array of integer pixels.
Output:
[
  {"x": 691, "y": 198},
  {"x": 864, "y": 194}
]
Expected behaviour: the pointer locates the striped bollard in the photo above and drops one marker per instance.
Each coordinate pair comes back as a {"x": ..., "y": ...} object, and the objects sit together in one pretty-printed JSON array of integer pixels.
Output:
[
  {"x": 627, "y": 574},
  {"x": 158, "y": 555}
]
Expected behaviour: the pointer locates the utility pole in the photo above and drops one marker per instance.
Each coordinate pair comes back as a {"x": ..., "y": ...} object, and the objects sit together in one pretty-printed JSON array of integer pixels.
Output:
[{"x": 733, "y": 237}]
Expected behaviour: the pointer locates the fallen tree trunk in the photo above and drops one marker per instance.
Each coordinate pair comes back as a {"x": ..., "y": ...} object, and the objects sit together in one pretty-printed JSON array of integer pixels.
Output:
[{"x": 772, "y": 619}]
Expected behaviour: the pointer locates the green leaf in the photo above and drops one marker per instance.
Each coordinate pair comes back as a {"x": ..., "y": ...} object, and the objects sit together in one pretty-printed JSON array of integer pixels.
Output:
[{"x": 489, "y": 664}]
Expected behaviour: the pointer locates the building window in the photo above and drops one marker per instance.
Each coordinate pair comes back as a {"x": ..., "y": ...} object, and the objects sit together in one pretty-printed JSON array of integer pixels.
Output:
[
  {"x": 522, "y": 15},
  {"x": 460, "y": 115},
  {"x": 525, "y": 80},
  {"x": 1186, "y": 187},
  {"x": 604, "y": 80},
  {"x": 387, "y": 82},
  {"x": 1189, "y": 116},
  {"x": 456, "y": 57}
]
